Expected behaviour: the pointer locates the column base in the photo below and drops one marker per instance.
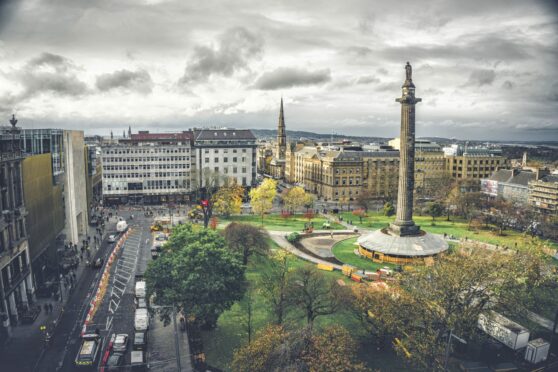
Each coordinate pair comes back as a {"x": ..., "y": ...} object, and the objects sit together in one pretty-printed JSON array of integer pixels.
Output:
[{"x": 404, "y": 228}]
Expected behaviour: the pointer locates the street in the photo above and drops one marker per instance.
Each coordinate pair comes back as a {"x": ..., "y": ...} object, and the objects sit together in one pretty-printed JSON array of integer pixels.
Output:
[{"x": 115, "y": 314}]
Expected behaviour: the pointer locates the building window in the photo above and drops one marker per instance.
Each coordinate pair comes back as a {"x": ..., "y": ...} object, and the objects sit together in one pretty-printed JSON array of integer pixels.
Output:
[
  {"x": 207, "y": 160},
  {"x": 216, "y": 160}
]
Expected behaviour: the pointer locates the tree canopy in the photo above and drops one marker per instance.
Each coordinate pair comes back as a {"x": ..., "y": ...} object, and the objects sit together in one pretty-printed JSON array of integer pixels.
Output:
[
  {"x": 424, "y": 304},
  {"x": 228, "y": 199},
  {"x": 198, "y": 274},
  {"x": 246, "y": 239},
  {"x": 261, "y": 197},
  {"x": 278, "y": 349}
]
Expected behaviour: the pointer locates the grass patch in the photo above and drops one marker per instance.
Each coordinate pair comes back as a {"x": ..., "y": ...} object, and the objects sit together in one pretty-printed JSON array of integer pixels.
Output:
[
  {"x": 344, "y": 252},
  {"x": 456, "y": 227},
  {"x": 278, "y": 223},
  {"x": 220, "y": 343}
]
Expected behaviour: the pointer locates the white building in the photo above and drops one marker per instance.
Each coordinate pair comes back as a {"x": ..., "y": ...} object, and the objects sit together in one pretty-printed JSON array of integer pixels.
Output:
[
  {"x": 149, "y": 168},
  {"x": 229, "y": 153}
]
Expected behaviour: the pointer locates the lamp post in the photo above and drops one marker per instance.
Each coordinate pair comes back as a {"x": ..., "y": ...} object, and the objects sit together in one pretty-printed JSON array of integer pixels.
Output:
[
  {"x": 448, "y": 345},
  {"x": 551, "y": 340}
]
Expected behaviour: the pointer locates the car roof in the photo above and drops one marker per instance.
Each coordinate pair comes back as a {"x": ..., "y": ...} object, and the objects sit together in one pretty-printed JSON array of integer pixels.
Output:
[{"x": 121, "y": 336}]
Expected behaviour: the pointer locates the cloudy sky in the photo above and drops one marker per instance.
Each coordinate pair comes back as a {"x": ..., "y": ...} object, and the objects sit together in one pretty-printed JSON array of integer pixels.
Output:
[{"x": 485, "y": 69}]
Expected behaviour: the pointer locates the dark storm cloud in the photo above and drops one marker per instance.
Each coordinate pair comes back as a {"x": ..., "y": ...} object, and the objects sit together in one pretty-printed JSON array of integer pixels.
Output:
[
  {"x": 139, "y": 81},
  {"x": 234, "y": 51},
  {"x": 50, "y": 73},
  {"x": 478, "y": 78},
  {"x": 286, "y": 77}
]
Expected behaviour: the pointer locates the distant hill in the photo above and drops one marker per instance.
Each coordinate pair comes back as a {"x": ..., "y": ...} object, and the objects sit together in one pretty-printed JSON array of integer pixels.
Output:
[{"x": 298, "y": 134}]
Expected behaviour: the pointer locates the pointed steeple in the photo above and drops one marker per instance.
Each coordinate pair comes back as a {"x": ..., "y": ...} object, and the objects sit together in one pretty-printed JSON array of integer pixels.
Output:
[
  {"x": 281, "y": 134},
  {"x": 129, "y": 131}
]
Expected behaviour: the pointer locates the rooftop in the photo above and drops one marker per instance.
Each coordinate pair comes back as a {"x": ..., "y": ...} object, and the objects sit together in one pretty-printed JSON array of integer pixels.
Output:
[
  {"x": 223, "y": 134},
  {"x": 407, "y": 246}
]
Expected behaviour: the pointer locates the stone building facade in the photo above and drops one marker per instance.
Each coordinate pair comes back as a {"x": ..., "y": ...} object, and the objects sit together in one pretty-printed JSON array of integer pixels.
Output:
[
  {"x": 543, "y": 194},
  {"x": 16, "y": 284},
  {"x": 474, "y": 163}
]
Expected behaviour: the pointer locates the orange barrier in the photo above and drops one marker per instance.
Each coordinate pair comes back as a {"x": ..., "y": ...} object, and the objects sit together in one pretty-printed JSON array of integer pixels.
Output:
[{"x": 103, "y": 283}]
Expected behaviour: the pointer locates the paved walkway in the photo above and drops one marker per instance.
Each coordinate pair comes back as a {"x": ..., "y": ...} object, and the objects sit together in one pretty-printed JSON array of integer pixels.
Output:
[{"x": 279, "y": 237}]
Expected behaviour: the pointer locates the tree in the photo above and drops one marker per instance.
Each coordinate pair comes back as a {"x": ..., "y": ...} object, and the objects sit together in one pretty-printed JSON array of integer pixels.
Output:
[
  {"x": 313, "y": 293},
  {"x": 332, "y": 350},
  {"x": 294, "y": 198},
  {"x": 435, "y": 209},
  {"x": 206, "y": 186},
  {"x": 198, "y": 274},
  {"x": 366, "y": 199},
  {"x": 389, "y": 209},
  {"x": 228, "y": 199},
  {"x": 425, "y": 304},
  {"x": 274, "y": 284},
  {"x": 261, "y": 197},
  {"x": 360, "y": 213},
  {"x": 277, "y": 349},
  {"x": 247, "y": 313},
  {"x": 247, "y": 240}
]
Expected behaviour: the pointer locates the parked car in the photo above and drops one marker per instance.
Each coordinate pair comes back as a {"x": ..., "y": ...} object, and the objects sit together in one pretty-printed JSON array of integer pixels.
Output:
[
  {"x": 140, "y": 341},
  {"x": 141, "y": 303},
  {"x": 141, "y": 320},
  {"x": 98, "y": 263},
  {"x": 115, "y": 361},
  {"x": 120, "y": 343},
  {"x": 112, "y": 238},
  {"x": 161, "y": 237}
]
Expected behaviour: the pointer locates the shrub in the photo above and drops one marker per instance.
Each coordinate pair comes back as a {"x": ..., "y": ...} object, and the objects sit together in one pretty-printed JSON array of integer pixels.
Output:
[{"x": 293, "y": 237}]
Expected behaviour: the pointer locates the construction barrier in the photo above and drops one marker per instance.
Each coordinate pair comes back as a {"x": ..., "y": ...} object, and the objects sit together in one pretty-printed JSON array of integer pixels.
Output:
[
  {"x": 103, "y": 283},
  {"x": 325, "y": 267}
]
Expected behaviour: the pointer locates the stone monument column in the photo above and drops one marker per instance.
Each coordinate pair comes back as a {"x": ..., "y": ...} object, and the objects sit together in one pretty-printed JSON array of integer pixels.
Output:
[{"x": 404, "y": 224}]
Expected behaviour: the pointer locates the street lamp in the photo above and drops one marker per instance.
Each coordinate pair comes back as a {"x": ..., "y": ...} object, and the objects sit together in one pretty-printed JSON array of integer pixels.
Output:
[
  {"x": 448, "y": 345},
  {"x": 552, "y": 339}
]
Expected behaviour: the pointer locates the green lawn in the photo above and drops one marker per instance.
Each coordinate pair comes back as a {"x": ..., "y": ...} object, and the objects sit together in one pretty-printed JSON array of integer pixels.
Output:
[
  {"x": 344, "y": 252},
  {"x": 456, "y": 227},
  {"x": 278, "y": 223},
  {"x": 220, "y": 343}
]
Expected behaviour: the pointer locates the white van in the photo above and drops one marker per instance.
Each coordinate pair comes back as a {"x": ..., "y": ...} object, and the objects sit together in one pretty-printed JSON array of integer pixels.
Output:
[
  {"x": 140, "y": 289},
  {"x": 141, "y": 320},
  {"x": 121, "y": 226}
]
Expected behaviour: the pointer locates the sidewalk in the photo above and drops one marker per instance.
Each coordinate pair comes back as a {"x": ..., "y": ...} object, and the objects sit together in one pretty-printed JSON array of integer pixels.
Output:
[{"x": 27, "y": 342}]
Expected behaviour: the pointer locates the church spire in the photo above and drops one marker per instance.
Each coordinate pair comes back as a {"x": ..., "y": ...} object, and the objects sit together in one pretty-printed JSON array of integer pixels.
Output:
[
  {"x": 129, "y": 131},
  {"x": 281, "y": 135}
]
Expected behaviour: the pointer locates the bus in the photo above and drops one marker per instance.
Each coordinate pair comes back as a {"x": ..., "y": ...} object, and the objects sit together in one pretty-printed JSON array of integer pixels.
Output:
[{"x": 89, "y": 350}]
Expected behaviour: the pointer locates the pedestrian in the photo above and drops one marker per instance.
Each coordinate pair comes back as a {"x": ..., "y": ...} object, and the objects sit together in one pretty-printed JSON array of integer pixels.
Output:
[
  {"x": 50, "y": 308},
  {"x": 74, "y": 276},
  {"x": 46, "y": 308}
]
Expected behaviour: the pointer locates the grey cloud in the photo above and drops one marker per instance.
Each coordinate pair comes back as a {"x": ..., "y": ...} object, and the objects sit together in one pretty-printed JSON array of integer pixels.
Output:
[
  {"x": 50, "y": 73},
  {"x": 479, "y": 78},
  {"x": 286, "y": 77},
  {"x": 235, "y": 49},
  {"x": 139, "y": 81},
  {"x": 359, "y": 51},
  {"x": 382, "y": 71},
  {"x": 508, "y": 85},
  {"x": 367, "y": 79}
]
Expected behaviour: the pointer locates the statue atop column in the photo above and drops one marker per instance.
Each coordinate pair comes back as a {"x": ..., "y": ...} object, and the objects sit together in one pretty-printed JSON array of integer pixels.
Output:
[{"x": 409, "y": 71}]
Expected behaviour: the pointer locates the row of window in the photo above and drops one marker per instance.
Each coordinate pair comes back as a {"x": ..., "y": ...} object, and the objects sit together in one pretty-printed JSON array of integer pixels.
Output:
[
  {"x": 226, "y": 160},
  {"x": 146, "y": 167},
  {"x": 147, "y": 175},
  {"x": 224, "y": 151},
  {"x": 144, "y": 159},
  {"x": 151, "y": 150}
]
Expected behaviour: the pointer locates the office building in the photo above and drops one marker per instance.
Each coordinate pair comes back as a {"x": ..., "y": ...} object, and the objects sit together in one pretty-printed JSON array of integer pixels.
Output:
[
  {"x": 148, "y": 168},
  {"x": 226, "y": 154}
]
